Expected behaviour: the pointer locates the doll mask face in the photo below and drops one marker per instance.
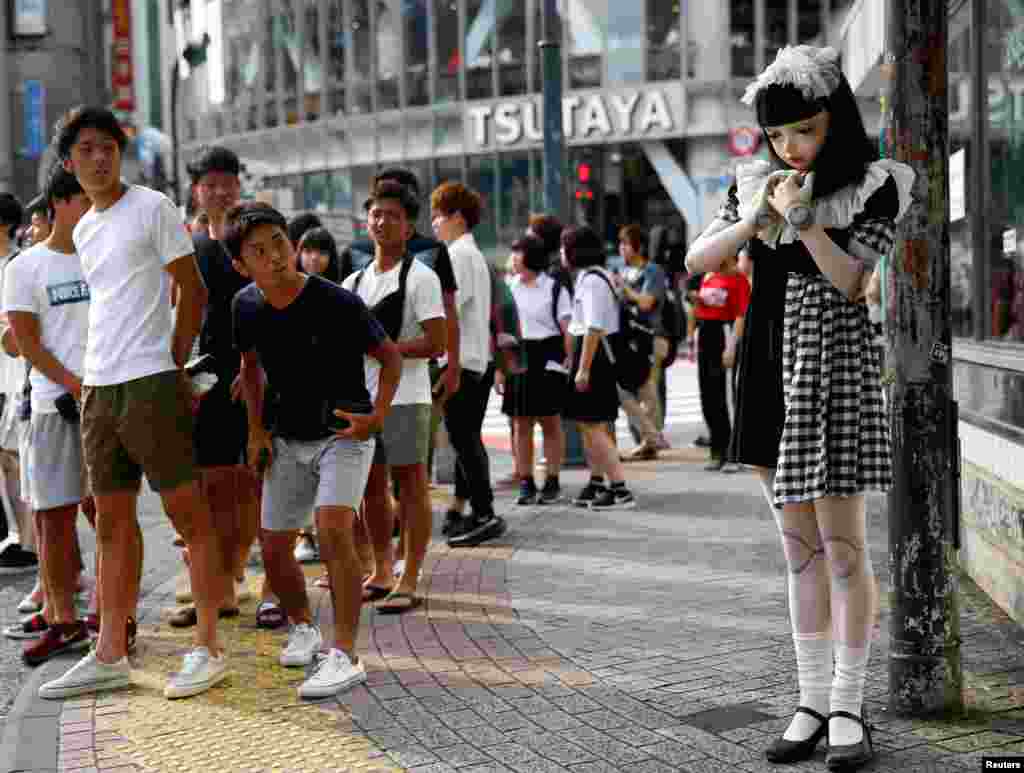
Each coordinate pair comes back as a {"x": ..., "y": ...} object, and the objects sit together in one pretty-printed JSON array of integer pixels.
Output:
[{"x": 799, "y": 143}]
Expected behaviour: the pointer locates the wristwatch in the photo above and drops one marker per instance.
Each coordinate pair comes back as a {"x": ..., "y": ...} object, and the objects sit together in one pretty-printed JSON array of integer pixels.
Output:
[{"x": 800, "y": 216}]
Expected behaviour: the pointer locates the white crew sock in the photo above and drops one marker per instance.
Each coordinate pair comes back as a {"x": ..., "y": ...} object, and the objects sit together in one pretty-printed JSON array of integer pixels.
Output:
[
  {"x": 814, "y": 674},
  {"x": 847, "y": 694}
]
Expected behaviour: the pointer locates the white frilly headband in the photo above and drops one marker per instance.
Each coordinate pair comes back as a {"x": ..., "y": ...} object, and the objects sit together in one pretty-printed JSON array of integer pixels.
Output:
[{"x": 815, "y": 71}]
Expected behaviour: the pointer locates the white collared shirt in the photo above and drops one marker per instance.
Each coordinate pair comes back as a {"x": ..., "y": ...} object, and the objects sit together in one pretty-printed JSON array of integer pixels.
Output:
[{"x": 473, "y": 301}]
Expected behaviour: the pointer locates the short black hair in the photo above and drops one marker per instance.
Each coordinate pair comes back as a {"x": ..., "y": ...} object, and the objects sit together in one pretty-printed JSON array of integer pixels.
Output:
[
  {"x": 583, "y": 247},
  {"x": 299, "y": 224},
  {"x": 11, "y": 212},
  {"x": 320, "y": 239},
  {"x": 60, "y": 185},
  {"x": 241, "y": 221},
  {"x": 390, "y": 189},
  {"x": 87, "y": 117},
  {"x": 534, "y": 251},
  {"x": 214, "y": 158},
  {"x": 399, "y": 175}
]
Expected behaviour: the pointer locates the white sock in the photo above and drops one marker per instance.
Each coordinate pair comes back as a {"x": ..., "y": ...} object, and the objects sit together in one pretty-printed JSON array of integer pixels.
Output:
[
  {"x": 847, "y": 694},
  {"x": 814, "y": 674}
]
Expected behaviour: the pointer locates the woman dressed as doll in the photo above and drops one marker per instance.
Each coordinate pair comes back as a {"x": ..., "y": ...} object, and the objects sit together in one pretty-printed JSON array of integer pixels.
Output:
[{"x": 816, "y": 220}]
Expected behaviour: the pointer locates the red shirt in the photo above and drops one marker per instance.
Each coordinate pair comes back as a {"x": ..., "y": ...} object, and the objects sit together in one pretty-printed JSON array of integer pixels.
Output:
[{"x": 723, "y": 297}]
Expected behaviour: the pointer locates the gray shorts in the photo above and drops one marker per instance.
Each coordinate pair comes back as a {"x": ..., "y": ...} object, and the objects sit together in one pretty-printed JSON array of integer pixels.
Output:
[
  {"x": 405, "y": 438},
  {"x": 305, "y": 475},
  {"x": 52, "y": 469}
]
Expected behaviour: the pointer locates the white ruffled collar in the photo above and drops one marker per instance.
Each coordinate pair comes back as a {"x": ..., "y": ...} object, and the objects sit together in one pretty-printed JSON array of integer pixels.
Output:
[{"x": 835, "y": 211}]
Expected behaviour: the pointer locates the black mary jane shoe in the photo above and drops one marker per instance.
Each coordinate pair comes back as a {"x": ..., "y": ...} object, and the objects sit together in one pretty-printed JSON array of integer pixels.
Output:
[
  {"x": 853, "y": 755},
  {"x": 784, "y": 751}
]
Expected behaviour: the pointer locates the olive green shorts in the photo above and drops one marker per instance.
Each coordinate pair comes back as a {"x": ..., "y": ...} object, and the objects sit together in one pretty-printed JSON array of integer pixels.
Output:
[{"x": 139, "y": 427}]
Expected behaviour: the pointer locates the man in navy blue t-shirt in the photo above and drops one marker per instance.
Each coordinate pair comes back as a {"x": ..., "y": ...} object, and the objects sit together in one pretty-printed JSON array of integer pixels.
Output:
[{"x": 310, "y": 338}]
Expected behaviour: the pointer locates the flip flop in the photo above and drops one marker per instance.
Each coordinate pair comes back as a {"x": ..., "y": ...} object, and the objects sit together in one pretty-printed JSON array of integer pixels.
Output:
[
  {"x": 375, "y": 593},
  {"x": 269, "y": 615},
  {"x": 398, "y": 602},
  {"x": 186, "y": 617}
]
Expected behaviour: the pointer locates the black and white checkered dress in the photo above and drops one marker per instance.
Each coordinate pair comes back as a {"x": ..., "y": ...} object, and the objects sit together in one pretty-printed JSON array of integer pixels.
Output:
[{"x": 824, "y": 428}]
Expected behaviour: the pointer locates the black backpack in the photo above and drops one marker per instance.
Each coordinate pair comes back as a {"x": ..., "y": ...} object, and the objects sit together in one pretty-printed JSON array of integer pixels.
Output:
[
  {"x": 389, "y": 309},
  {"x": 631, "y": 350}
]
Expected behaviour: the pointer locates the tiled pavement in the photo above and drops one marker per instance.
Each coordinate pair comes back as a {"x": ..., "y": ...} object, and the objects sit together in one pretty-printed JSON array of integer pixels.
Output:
[{"x": 649, "y": 640}]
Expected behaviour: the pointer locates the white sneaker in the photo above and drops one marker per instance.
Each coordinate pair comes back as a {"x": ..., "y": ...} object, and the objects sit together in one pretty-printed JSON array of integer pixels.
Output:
[
  {"x": 28, "y": 605},
  {"x": 88, "y": 675},
  {"x": 305, "y": 551},
  {"x": 334, "y": 672},
  {"x": 199, "y": 672},
  {"x": 304, "y": 642}
]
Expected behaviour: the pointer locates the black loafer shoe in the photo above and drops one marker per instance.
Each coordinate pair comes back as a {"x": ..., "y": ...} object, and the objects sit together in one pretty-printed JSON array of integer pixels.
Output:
[
  {"x": 854, "y": 755},
  {"x": 784, "y": 751}
]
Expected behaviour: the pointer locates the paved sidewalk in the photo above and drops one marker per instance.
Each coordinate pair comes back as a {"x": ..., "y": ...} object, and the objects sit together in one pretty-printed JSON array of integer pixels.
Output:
[{"x": 642, "y": 641}]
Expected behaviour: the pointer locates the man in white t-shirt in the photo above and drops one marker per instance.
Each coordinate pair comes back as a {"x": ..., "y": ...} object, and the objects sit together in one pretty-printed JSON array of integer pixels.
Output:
[
  {"x": 405, "y": 297},
  {"x": 455, "y": 211},
  {"x": 136, "y": 405},
  {"x": 46, "y": 301}
]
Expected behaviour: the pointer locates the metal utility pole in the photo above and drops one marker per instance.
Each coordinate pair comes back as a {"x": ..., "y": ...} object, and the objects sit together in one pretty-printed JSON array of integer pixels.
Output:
[
  {"x": 554, "y": 140},
  {"x": 925, "y": 674}
]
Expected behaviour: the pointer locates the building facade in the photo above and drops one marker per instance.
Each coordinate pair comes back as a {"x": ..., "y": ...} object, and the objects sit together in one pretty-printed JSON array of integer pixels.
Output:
[
  {"x": 53, "y": 59},
  {"x": 986, "y": 191},
  {"x": 317, "y": 95}
]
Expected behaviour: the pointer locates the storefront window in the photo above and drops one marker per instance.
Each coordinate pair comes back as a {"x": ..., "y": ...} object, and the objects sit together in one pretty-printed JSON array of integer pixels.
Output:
[
  {"x": 776, "y": 29},
  {"x": 741, "y": 33},
  {"x": 515, "y": 197},
  {"x": 626, "y": 42},
  {"x": 512, "y": 48},
  {"x": 664, "y": 42},
  {"x": 362, "y": 57},
  {"x": 338, "y": 42},
  {"x": 341, "y": 191},
  {"x": 480, "y": 26},
  {"x": 448, "y": 169},
  {"x": 316, "y": 191},
  {"x": 1005, "y": 55},
  {"x": 585, "y": 33},
  {"x": 416, "y": 46},
  {"x": 389, "y": 53},
  {"x": 482, "y": 180},
  {"x": 449, "y": 57},
  {"x": 361, "y": 178},
  {"x": 808, "y": 25}
]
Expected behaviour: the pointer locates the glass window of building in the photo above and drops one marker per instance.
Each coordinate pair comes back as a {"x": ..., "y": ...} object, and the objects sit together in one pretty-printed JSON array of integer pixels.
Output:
[
  {"x": 808, "y": 24},
  {"x": 360, "y": 74},
  {"x": 269, "y": 70},
  {"x": 515, "y": 196},
  {"x": 389, "y": 53},
  {"x": 664, "y": 41},
  {"x": 417, "y": 48},
  {"x": 482, "y": 179},
  {"x": 511, "y": 47},
  {"x": 776, "y": 29},
  {"x": 447, "y": 169},
  {"x": 960, "y": 160},
  {"x": 243, "y": 49},
  {"x": 481, "y": 21},
  {"x": 449, "y": 56},
  {"x": 338, "y": 42},
  {"x": 741, "y": 36},
  {"x": 1005, "y": 206},
  {"x": 312, "y": 63},
  {"x": 287, "y": 40},
  {"x": 626, "y": 42},
  {"x": 585, "y": 31}
]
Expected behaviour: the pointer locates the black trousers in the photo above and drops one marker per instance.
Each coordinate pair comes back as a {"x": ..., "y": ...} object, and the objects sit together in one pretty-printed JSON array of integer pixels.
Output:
[
  {"x": 713, "y": 382},
  {"x": 464, "y": 420}
]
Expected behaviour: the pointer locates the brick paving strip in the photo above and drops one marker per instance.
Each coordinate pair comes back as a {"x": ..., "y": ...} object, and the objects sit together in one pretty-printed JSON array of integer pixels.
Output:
[{"x": 585, "y": 642}]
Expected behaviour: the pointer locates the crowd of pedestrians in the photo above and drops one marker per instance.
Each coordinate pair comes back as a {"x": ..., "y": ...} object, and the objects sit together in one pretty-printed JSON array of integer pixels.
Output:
[{"x": 274, "y": 389}]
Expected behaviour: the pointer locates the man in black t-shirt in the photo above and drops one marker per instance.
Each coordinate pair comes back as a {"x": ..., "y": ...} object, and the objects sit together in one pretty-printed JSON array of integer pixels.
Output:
[
  {"x": 310, "y": 338},
  {"x": 220, "y": 423}
]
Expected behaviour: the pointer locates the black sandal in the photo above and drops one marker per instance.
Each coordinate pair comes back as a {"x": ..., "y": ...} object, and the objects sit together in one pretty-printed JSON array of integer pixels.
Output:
[
  {"x": 852, "y": 755},
  {"x": 785, "y": 751}
]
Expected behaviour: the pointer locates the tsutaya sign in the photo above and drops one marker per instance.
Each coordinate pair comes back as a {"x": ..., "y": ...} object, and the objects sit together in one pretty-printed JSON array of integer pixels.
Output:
[{"x": 600, "y": 116}]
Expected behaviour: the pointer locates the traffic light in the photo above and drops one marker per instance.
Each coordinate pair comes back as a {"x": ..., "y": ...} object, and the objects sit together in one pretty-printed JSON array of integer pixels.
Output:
[{"x": 584, "y": 172}]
